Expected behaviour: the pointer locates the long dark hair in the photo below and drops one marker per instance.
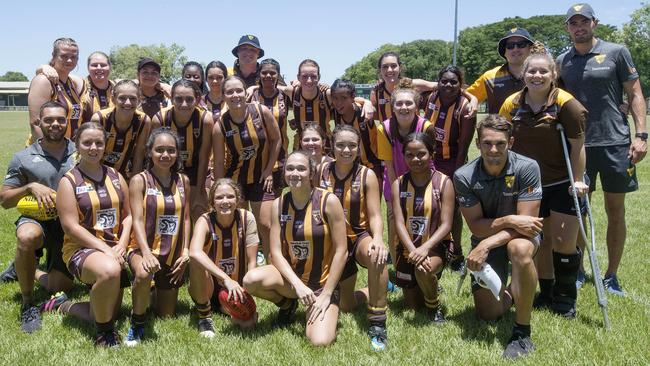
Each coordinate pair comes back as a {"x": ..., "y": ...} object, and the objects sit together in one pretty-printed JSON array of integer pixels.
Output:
[{"x": 148, "y": 162}]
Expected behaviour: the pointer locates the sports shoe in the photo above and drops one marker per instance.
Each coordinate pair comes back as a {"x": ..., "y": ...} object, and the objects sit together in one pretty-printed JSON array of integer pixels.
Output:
[
  {"x": 108, "y": 339},
  {"x": 518, "y": 346},
  {"x": 378, "y": 337},
  {"x": 542, "y": 302},
  {"x": 54, "y": 302},
  {"x": 567, "y": 311},
  {"x": 30, "y": 318},
  {"x": 580, "y": 280},
  {"x": 612, "y": 286},
  {"x": 286, "y": 316},
  {"x": 206, "y": 328},
  {"x": 437, "y": 316},
  {"x": 391, "y": 286},
  {"x": 260, "y": 259},
  {"x": 135, "y": 335},
  {"x": 9, "y": 274}
]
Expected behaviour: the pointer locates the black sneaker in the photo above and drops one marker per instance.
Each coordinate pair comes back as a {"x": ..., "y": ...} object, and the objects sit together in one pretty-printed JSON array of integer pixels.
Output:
[
  {"x": 9, "y": 274},
  {"x": 108, "y": 339},
  {"x": 287, "y": 316},
  {"x": 542, "y": 302},
  {"x": 378, "y": 337},
  {"x": 518, "y": 346},
  {"x": 565, "y": 310},
  {"x": 30, "y": 319},
  {"x": 437, "y": 316},
  {"x": 206, "y": 328}
]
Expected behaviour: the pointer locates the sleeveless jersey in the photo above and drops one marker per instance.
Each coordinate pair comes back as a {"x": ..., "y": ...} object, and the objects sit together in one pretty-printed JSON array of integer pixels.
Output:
[
  {"x": 246, "y": 145},
  {"x": 305, "y": 238},
  {"x": 368, "y": 132},
  {"x": 216, "y": 108},
  {"x": 226, "y": 246},
  {"x": 164, "y": 213},
  {"x": 99, "y": 206},
  {"x": 153, "y": 104},
  {"x": 316, "y": 110},
  {"x": 278, "y": 106},
  {"x": 190, "y": 137},
  {"x": 96, "y": 99},
  {"x": 120, "y": 144},
  {"x": 351, "y": 192},
  {"x": 421, "y": 206},
  {"x": 446, "y": 123},
  {"x": 382, "y": 102},
  {"x": 66, "y": 94}
]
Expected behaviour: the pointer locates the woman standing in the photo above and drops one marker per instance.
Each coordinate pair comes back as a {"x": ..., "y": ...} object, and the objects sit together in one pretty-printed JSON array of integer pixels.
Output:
[
  {"x": 154, "y": 95},
  {"x": 215, "y": 73},
  {"x": 308, "y": 253}
]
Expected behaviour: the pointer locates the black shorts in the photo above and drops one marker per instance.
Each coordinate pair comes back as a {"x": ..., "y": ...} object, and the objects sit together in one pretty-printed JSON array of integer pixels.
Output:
[
  {"x": 255, "y": 192},
  {"x": 76, "y": 264},
  {"x": 52, "y": 241},
  {"x": 351, "y": 268},
  {"x": 498, "y": 260},
  {"x": 617, "y": 173},
  {"x": 405, "y": 271},
  {"x": 278, "y": 182},
  {"x": 162, "y": 278},
  {"x": 557, "y": 198}
]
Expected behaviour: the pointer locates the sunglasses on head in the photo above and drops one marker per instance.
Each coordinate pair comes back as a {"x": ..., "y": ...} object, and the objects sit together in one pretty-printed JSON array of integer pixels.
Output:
[{"x": 520, "y": 44}]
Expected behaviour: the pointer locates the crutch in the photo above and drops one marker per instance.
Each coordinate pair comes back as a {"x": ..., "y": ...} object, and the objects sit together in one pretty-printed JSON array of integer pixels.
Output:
[{"x": 591, "y": 248}]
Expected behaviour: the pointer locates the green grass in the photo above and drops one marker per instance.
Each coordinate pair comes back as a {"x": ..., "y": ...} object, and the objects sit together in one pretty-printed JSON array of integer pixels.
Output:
[{"x": 463, "y": 340}]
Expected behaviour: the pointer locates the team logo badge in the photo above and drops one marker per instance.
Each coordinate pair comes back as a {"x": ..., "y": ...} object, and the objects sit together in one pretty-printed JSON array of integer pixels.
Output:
[
  {"x": 106, "y": 219},
  {"x": 185, "y": 155},
  {"x": 152, "y": 192},
  {"x": 251, "y": 37},
  {"x": 300, "y": 249},
  {"x": 405, "y": 194},
  {"x": 316, "y": 215},
  {"x": 600, "y": 58},
  {"x": 248, "y": 152},
  {"x": 285, "y": 218},
  {"x": 231, "y": 133},
  {"x": 167, "y": 225},
  {"x": 630, "y": 170},
  {"x": 227, "y": 265},
  {"x": 196, "y": 132},
  {"x": 577, "y": 7},
  {"x": 417, "y": 224},
  {"x": 227, "y": 243},
  {"x": 509, "y": 179},
  {"x": 513, "y": 30}
]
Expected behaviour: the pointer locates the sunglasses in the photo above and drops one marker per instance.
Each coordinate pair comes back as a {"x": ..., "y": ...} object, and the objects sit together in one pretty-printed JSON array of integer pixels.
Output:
[
  {"x": 520, "y": 44},
  {"x": 180, "y": 100}
]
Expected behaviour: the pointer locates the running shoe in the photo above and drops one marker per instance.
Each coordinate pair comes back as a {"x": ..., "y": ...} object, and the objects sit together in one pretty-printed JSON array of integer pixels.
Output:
[
  {"x": 518, "y": 346},
  {"x": 580, "y": 280},
  {"x": 287, "y": 316},
  {"x": 54, "y": 302},
  {"x": 30, "y": 318},
  {"x": 391, "y": 286},
  {"x": 437, "y": 316},
  {"x": 108, "y": 339},
  {"x": 612, "y": 286},
  {"x": 9, "y": 274},
  {"x": 378, "y": 337},
  {"x": 206, "y": 328},
  {"x": 260, "y": 259},
  {"x": 135, "y": 335},
  {"x": 542, "y": 302}
]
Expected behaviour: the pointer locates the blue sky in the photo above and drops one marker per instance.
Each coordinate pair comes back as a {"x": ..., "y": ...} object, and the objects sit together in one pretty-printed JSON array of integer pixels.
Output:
[{"x": 335, "y": 33}]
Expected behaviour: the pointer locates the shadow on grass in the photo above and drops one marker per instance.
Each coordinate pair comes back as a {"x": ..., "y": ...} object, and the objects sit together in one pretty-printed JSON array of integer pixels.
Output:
[{"x": 474, "y": 329}]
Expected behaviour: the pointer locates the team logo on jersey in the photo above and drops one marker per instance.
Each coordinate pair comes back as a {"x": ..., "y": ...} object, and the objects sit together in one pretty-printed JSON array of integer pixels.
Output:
[
  {"x": 417, "y": 224},
  {"x": 152, "y": 192},
  {"x": 630, "y": 170},
  {"x": 232, "y": 132},
  {"x": 110, "y": 135},
  {"x": 440, "y": 133},
  {"x": 106, "y": 219},
  {"x": 316, "y": 215},
  {"x": 116, "y": 183},
  {"x": 355, "y": 186},
  {"x": 215, "y": 237},
  {"x": 300, "y": 249},
  {"x": 112, "y": 157},
  {"x": 196, "y": 132},
  {"x": 405, "y": 194},
  {"x": 285, "y": 218},
  {"x": 84, "y": 189},
  {"x": 509, "y": 179},
  {"x": 477, "y": 186},
  {"x": 76, "y": 111},
  {"x": 600, "y": 58},
  {"x": 185, "y": 155},
  {"x": 227, "y": 265},
  {"x": 227, "y": 243},
  {"x": 248, "y": 152},
  {"x": 362, "y": 125},
  {"x": 37, "y": 159},
  {"x": 167, "y": 225}
]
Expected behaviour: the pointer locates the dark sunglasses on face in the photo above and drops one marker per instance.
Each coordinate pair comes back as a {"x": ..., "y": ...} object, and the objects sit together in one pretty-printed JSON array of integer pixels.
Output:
[
  {"x": 180, "y": 100},
  {"x": 451, "y": 82},
  {"x": 520, "y": 44}
]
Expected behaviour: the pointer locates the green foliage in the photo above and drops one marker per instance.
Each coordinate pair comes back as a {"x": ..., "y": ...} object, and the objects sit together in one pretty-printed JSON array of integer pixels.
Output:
[
  {"x": 125, "y": 60},
  {"x": 421, "y": 59},
  {"x": 636, "y": 36},
  {"x": 478, "y": 46},
  {"x": 13, "y": 76}
]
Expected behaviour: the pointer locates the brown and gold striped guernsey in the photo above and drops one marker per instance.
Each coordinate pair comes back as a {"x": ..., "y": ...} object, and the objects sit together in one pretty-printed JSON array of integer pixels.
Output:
[
  {"x": 99, "y": 205},
  {"x": 226, "y": 246},
  {"x": 190, "y": 137},
  {"x": 368, "y": 132},
  {"x": 446, "y": 123},
  {"x": 95, "y": 99},
  {"x": 306, "y": 240},
  {"x": 316, "y": 110},
  {"x": 277, "y": 104},
  {"x": 164, "y": 214},
  {"x": 66, "y": 94},
  {"x": 351, "y": 192},
  {"x": 216, "y": 108},
  {"x": 246, "y": 145},
  {"x": 153, "y": 104},
  {"x": 382, "y": 105},
  {"x": 120, "y": 144},
  {"x": 421, "y": 206}
]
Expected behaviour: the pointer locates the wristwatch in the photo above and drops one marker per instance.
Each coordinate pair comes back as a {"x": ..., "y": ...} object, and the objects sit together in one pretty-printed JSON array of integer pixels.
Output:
[{"x": 642, "y": 135}]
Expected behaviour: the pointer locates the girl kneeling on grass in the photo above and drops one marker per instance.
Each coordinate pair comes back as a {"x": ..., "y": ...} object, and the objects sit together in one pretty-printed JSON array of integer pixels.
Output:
[
  {"x": 308, "y": 253},
  {"x": 223, "y": 249},
  {"x": 160, "y": 201}
]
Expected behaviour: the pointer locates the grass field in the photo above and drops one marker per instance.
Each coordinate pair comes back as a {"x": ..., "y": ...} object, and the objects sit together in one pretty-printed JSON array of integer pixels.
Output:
[{"x": 462, "y": 340}]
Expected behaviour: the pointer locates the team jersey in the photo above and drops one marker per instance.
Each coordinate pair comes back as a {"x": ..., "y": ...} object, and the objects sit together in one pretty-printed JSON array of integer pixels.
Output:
[
  {"x": 226, "y": 246},
  {"x": 277, "y": 104},
  {"x": 216, "y": 108},
  {"x": 153, "y": 104},
  {"x": 99, "y": 206},
  {"x": 495, "y": 85},
  {"x": 382, "y": 102},
  {"x": 421, "y": 207},
  {"x": 446, "y": 123},
  {"x": 190, "y": 136},
  {"x": 246, "y": 145},
  {"x": 368, "y": 132},
  {"x": 66, "y": 94},
  {"x": 305, "y": 238},
  {"x": 351, "y": 192},
  {"x": 120, "y": 144},
  {"x": 96, "y": 99},
  {"x": 317, "y": 110},
  {"x": 164, "y": 213}
]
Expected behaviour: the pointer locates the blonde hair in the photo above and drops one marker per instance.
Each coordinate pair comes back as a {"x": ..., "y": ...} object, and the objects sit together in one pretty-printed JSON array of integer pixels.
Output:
[
  {"x": 538, "y": 51},
  {"x": 220, "y": 182},
  {"x": 405, "y": 85}
]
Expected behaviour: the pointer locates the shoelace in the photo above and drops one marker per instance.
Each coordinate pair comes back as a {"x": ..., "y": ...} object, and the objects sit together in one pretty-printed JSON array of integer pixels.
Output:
[{"x": 30, "y": 314}]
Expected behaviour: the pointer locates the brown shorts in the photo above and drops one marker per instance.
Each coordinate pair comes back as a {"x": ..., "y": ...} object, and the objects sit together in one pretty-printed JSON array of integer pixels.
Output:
[
  {"x": 405, "y": 271},
  {"x": 75, "y": 266},
  {"x": 336, "y": 295},
  {"x": 162, "y": 278},
  {"x": 350, "y": 268}
]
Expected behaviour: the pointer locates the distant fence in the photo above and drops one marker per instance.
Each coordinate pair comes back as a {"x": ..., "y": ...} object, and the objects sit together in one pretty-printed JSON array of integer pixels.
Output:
[{"x": 13, "y": 108}]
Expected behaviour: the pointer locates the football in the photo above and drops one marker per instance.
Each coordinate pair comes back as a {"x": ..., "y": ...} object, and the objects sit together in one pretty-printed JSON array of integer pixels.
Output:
[
  {"x": 237, "y": 309},
  {"x": 28, "y": 206}
]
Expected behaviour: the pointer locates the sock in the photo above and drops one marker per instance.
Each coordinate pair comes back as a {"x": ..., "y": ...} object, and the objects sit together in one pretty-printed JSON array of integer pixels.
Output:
[
  {"x": 203, "y": 311},
  {"x": 285, "y": 303},
  {"x": 377, "y": 316},
  {"x": 109, "y": 326},
  {"x": 520, "y": 329},
  {"x": 138, "y": 320},
  {"x": 431, "y": 304}
]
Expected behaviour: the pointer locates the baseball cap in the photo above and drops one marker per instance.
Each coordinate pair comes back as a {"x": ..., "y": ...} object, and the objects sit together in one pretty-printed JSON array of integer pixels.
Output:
[
  {"x": 145, "y": 61},
  {"x": 514, "y": 32},
  {"x": 583, "y": 9},
  {"x": 251, "y": 40}
]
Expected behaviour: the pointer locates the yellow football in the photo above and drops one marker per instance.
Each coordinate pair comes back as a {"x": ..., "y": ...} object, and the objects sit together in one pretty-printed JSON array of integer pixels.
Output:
[{"x": 28, "y": 206}]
